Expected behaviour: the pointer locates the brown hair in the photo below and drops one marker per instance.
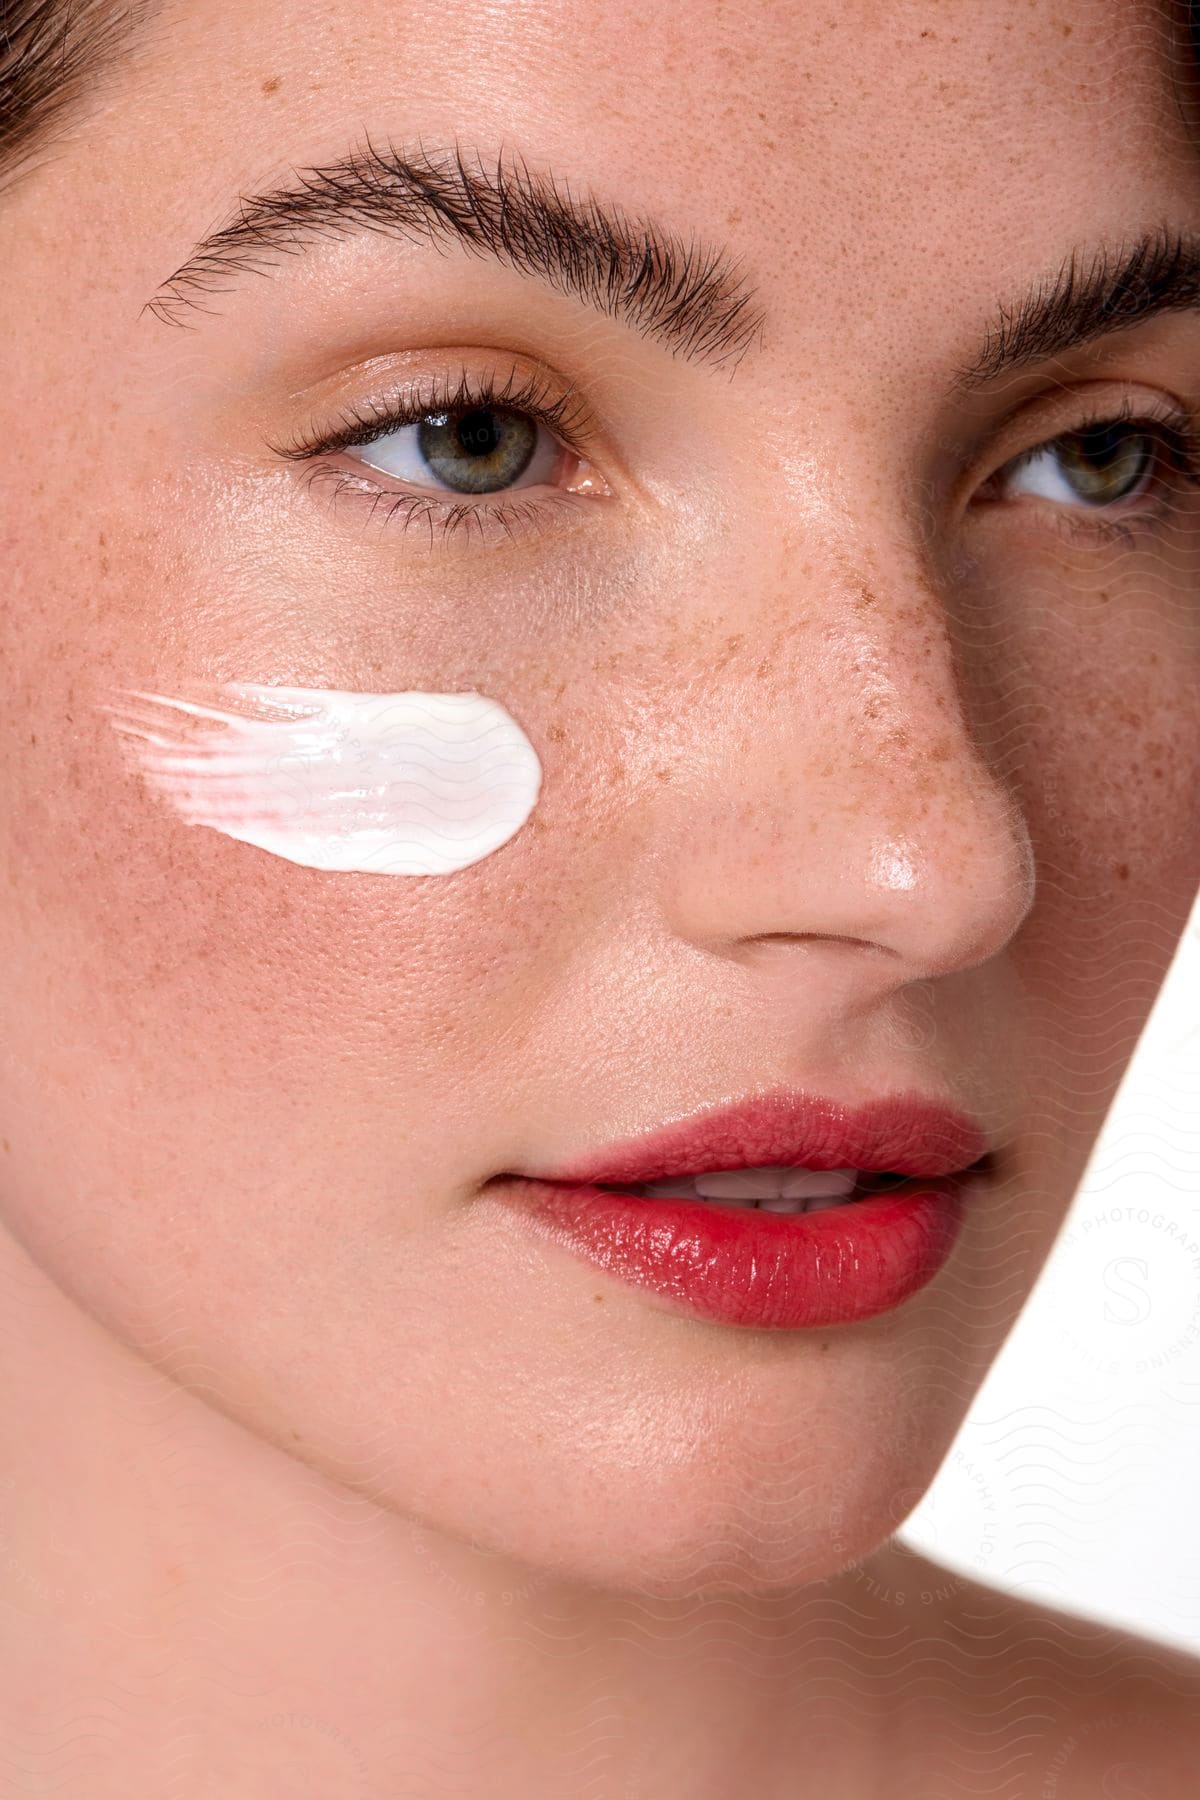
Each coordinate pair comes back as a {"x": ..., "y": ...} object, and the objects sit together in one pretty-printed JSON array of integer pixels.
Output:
[{"x": 50, "y": 54}]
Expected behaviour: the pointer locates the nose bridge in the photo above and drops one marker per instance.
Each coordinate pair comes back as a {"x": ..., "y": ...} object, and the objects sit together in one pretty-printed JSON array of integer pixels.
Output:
[{"x": 847, "y": 793}]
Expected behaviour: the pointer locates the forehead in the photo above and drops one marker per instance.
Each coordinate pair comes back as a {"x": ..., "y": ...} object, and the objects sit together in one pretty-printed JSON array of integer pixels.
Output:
[
  {"x": 834, "y": 147},
  {"x": 855, "y": 98}
]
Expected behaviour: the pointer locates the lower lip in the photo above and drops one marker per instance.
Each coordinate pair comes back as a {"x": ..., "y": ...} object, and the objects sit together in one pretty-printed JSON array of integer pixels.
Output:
[{"x": 741, "y": 1266}]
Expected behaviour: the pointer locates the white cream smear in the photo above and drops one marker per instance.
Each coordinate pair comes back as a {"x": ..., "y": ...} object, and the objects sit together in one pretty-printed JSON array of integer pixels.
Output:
[{"x": 383, "y": 784}]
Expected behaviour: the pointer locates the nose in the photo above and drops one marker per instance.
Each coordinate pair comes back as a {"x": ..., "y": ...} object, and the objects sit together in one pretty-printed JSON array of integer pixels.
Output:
[{"x": 837, "y": 797}]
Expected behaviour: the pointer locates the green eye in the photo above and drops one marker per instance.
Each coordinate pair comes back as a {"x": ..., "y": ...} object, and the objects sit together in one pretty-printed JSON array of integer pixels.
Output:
[
  {"x": 479, "y": 449},
  {"x": 1103, "y": 462},
  {"x": 477, "y": 452},
  {"x": 1106, "y": 462}
]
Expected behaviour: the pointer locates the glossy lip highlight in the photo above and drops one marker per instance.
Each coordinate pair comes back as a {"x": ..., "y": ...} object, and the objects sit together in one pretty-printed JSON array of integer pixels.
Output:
[
  {"x": 744, "y": 1266},
  {"x": 741, "y": 1266}
]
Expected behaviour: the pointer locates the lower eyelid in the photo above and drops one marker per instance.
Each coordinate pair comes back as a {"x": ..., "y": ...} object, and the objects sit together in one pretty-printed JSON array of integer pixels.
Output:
[
  {"x": 433, "y": 513},
  {"x": 1173, "y": 438}
]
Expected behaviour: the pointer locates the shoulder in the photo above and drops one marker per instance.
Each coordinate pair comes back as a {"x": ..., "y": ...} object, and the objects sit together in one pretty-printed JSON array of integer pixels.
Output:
[
  {"x": 1113, "y": 1714},
  {"x": 1101, "y": 1713},
  {"x": 1128, "y": 1727}
]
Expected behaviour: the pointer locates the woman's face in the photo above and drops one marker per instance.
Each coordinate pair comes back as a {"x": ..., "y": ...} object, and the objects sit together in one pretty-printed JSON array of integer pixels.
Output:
[{"x": 869, "y": 757}]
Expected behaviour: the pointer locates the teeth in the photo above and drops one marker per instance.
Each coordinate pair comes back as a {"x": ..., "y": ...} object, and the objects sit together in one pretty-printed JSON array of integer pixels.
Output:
[
  {"x": 740, "y": 1184},
  {"x": 791, "y": 1183},
  {"x": 670, "y": 1187},
  {"x": 818, "y": 1184},
  {"x": 781, "y": 1203},
  {"x": 777, "y": 1188}
]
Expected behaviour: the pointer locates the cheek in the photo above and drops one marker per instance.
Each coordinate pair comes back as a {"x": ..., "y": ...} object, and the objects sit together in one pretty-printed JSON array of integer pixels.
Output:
[
  {"x": 1086, "y": 670},
  {"x": 245, "y": 970},
  {"x": 1112, "y": 775},
  {"x": 206, "y": 1024},
  {"x": 1107, "y": 714}
]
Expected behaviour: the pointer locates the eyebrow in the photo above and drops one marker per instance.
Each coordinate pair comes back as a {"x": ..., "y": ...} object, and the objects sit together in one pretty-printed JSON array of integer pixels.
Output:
[
  {"x": 1118, "y": 288},
  {"x": 689, "y": 297}
]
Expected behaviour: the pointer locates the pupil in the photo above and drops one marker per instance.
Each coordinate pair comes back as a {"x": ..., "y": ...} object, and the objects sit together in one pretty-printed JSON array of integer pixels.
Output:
[
  {"x": 1102, "y": 443},
  {"x": 1107, "y": 460},
  {"x": 477, "y": 432}
]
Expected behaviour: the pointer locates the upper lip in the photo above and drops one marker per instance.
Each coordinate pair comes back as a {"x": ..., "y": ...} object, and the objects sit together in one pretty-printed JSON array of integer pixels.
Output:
[{"x": 903, "y": 1133}]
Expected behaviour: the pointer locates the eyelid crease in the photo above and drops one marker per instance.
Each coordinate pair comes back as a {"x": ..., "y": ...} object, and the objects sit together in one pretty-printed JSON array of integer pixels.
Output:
[
  {"x": 1175, "y": 432},
  {"x": 563, "y": 410},
  {"x": 1177, "y": 429},
  {"x": 1043, "y": 423},
  {"x": 566, "y": 413},
  {"x": 691, "y": 297},
  {"x": 1175, "y": 435}
]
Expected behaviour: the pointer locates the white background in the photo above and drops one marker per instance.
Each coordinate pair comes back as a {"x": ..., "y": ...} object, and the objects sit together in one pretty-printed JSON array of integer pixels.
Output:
[{"x": 1076, "y": 1477}]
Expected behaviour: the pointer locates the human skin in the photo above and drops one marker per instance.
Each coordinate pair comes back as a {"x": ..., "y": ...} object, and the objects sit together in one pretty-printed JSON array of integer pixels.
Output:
[{"x": 324, "y": 1475}]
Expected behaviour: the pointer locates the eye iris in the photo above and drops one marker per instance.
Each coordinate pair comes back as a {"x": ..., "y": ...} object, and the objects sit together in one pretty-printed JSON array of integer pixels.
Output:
[
  {"x": 477, "y": 449},
  {"x": 1122, "y": 456}
]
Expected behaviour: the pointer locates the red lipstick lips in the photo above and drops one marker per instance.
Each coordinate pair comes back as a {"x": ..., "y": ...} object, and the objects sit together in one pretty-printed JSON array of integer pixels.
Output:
[{"x": 738, "y": 1265}]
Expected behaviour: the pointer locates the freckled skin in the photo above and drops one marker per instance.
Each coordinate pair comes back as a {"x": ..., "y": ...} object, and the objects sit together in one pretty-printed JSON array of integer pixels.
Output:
[{"x": 354, "y": 1449}]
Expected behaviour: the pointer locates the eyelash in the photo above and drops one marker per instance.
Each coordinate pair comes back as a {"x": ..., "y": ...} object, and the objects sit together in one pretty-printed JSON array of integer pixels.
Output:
[
  {"x": 564, "y": 413},
  {"x": 1177, "y": 439}
]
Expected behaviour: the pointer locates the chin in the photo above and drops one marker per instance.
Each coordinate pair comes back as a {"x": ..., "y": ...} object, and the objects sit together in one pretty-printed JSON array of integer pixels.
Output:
[
  {"x": 780, "y": 1536},
  {"x": 742, "y": 1508}
]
